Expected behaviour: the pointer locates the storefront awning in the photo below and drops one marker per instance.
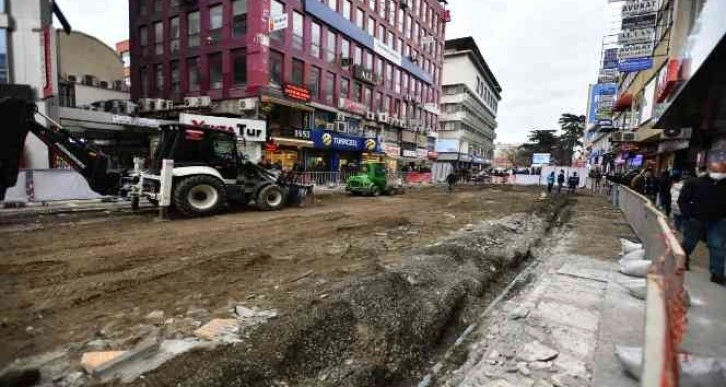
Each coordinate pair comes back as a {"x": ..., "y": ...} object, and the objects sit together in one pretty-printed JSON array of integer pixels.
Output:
[{"x": 285, "y": 102}]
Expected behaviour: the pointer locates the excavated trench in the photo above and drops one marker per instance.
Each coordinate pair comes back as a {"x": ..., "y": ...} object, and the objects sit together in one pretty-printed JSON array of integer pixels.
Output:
[{"x": 378, "y": 329}]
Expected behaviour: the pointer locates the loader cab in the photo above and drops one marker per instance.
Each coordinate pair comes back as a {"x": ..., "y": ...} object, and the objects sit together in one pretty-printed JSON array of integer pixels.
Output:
[{"x": 197, "y": 146}]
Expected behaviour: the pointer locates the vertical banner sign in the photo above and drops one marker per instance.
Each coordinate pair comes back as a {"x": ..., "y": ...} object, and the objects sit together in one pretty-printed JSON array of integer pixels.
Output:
[{"x": 610, "y": 58}]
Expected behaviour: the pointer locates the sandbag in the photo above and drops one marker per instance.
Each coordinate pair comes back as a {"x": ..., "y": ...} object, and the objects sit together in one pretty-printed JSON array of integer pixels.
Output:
[
  {"x": 636, "y": 289},
  {"x": 695, "y": 371},
  {"x": 628, "y": 246},
  {"x": 635, "y": 268},
  {"x": 634, "y": 255}
]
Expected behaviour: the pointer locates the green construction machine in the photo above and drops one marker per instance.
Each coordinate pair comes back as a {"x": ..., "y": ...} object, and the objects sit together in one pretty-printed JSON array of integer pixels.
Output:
[{"x": 373, "y": 179}]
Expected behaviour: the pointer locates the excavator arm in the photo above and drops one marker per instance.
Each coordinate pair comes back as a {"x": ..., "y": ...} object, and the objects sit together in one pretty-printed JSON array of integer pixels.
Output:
[{"x": 19, "y": 119}]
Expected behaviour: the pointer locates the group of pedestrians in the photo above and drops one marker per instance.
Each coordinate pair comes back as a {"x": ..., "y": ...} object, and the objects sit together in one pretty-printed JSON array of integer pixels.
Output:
[
  {"x": 697, "y": 205},
  {"x": 572, "y": 181}
]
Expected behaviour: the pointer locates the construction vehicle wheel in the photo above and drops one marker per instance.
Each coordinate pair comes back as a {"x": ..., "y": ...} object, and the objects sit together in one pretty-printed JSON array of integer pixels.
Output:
[
  {"x": 271, "y": 198},
  {"x": 153, "y": 202},
  {"x": 199, "y": 195},
  {"x": 375, "y": 191}
]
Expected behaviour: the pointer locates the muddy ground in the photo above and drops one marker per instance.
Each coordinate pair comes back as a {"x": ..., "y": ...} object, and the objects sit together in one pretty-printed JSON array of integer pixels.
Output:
[{"x": 67, "y": 283}]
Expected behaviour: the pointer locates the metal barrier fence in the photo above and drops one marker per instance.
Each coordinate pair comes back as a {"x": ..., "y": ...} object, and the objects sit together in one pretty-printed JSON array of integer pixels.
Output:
[
  {"x": 665, "y": 309},
  {"x": 338, "y": 179}
]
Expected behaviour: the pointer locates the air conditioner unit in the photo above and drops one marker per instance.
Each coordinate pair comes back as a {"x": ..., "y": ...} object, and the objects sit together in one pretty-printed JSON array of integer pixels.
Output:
[
  {"x": 130, "y": 108},
  {"x": 370, "y": 116},
  {"x": 677, "y": 133},
  {"x": 144, "y": 104},
  {"x": 340, "y": 117},
  {"x": 191, "y": 102},
  {"x": 72, "y": 78},
  {"x": 330, "y": 126},
  {"x": 159, "y": 104},
  {"x": 628, "y": 136},
  {"x": 89, "y": 80},
  {"x": 341, "y": 126},
  {"x": 383, "y": 117},
  {"x": 205, "y": 101},
  {"x": 247, "y": 104}
]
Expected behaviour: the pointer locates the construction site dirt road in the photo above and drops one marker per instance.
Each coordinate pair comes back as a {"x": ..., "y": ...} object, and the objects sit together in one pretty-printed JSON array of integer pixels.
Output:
[{"x": 110, "y": 281}]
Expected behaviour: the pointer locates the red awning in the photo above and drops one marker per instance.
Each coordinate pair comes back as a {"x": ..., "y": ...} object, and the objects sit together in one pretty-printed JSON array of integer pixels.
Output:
[{"x": 624, "y": 101}]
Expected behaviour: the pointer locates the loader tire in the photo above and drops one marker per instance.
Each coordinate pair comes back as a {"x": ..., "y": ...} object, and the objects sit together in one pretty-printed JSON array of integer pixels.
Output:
[
  {"x": 199, "y": 195},
  {"x": 271, "y": 198}
]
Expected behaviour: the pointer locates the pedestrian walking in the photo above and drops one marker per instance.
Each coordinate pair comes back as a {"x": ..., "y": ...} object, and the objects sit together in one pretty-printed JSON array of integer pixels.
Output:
[
  {"x": 550, "y": 182},
  {"x": 560, "y": 180},
  {"x": 573, "y": 181},
  {"x": 675, "y": 194},
  {"x": 648, "y": 186},
  {"x": 664, "y": 192},
  {"x": 702, "y": 203},
  {"x": 451, "y": 181}
]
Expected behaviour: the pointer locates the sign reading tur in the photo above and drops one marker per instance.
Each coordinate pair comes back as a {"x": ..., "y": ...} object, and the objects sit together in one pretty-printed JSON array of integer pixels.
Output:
[{"x": 250, "y": 130}]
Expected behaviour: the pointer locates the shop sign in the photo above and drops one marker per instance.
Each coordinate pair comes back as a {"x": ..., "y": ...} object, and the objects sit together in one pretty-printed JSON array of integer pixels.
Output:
[
  {"x": 639, "y": 21},
  {"x": 365, "y": 75},
  {"x": 296, "y": 92},
  {"x": 409, "y": 153},
  {"x": 432, "y": 155},
  {"x": 421, "y": 153},
  {"x": 608, "y": 76},
  {"x": 134, "y": 121},
  {"x": 641, "y": 35},
  {"x": 635, "y": 64},
  {"x": 326, "y": 139},
  {"x": 302, "y": 134},
  {"x": 672, "y": 146},
  {"x": 668, "y": 77},
  {"x": 392, "y": 150},
  {"x": 447, "y": 146},
  {"x": 387, "y": 52},
  {"x": 606, "y": 89},
  {"x": 640, "y": 50},
  {"x": 278, "y": 22},
  {"x": 610, "y": 58},
  {"x": 250, "y": 130},
  {"x": 352, "y": 106},
  {"x": 639, "y": 7}
]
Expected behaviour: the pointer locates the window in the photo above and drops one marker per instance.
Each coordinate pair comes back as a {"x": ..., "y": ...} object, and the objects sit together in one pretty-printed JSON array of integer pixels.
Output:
[
  {"x": 386, "y": 103},
  {"x": 357, "y": 91},
  {"x": 159, "y": 73},
  {"x": 371, "y": 26},
  {"x": 415, "y": 32},
  {"x": 275, "y": 67},
  {"x": 175, "y": 79},
  {"x": 367, "y": 93},
  {"x": 277, "y": 8},
  {"x": 344, "y": 88},
  {"x": 372, "y": 5},
  {"x": 409, "y": 26},
  {"x": 142, "y": 7},
  {"x": 378, "y": 102},
  {"x": 358, "y": 55},
  {"x": 193, "y": 29},
  {"x": 360, "y": 17},
  {"x": 298, "y": 68},
  {"x": 389, "y": 75},
  {"x": 143, "y": 40},
  {"x": 379, "y": 66},
  {"x": 400, "y": 46},
  {"x": 239, "y": 66},
  {"x": 158, "y": 5},
  {"x": 401, "y": 15},
  {"x": 391, "y": 12},
  {"x": 382, "y": 8},
  {"x": 390, "y": 40},
  {"x": 159, "y": 38},
  {"x": 330, "y": 47},
  {"x": 174, "y": 35},
  {"x": 397, "y": 80},
  {"x": 239, "y": 17},
  {"x": 144, "y": 75},
  {"x": 193, "y": 76},
  {"x": 333, "y": 4},
  {"x": 315, "y": 40},
  {"x": 330, "y": 88},
  {"x": 297, "y": 30},
  {"x": 215, "y": 71},
  {"x": 315, "y": 82},
  {"x": 381, "y": 32},
  {"x": 369, "y": 60},
  {"x": 215, "y": 23},
  {"x": 344, "y": 48},
  {"x": 346, "y": 10}
]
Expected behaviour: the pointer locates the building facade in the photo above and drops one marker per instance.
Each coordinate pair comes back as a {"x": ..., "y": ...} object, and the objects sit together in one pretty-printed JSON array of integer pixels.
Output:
[
  {"x": 123, "y": 50},
  {"x": 469, "y": 103},
  {"x": 350, "y": 70}
]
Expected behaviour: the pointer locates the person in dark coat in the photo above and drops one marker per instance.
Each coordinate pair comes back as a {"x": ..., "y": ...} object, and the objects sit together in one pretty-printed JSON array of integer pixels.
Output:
[
  {"x": 648, "y": 185},
  {"x": 560, "y": 180},
  {"x": 702, "y": 202},
  {"x": 451, "y": 181},
  {"x": 664, "y": 192}
]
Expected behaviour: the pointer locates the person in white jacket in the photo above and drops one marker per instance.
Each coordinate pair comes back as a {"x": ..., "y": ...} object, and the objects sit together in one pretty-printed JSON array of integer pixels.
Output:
[{"x": 675, "y": 193}]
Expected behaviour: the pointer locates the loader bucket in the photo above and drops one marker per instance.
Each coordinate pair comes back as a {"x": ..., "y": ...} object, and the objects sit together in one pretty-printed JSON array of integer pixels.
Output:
[
  {"x": 14, "y": 129},
  {"x": 301, "y": 195}
]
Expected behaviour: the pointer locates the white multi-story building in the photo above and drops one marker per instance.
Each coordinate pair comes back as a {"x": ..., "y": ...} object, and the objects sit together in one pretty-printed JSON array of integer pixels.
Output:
[{"x": 468, "y": 107}]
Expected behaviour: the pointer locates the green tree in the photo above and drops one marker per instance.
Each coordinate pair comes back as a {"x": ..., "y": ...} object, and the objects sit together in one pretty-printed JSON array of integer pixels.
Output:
[{"x": 573, "y": 128}]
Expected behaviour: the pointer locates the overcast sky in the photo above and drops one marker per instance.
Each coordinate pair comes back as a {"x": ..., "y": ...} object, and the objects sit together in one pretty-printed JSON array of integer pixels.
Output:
[{"x": 543, "y": 52}]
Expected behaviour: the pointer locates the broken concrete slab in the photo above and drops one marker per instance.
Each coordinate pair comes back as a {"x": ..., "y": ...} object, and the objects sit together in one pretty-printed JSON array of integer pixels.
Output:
[
  {"x": 519, "y": 313},
  {"x": 220, "y": 330},
  {"x": 107, "y": 364},
  {"x": 536, "y": 351},
  {"x": 568, "y": 315},
  {"x": 577, "y": 341},
  {"x": 90, "y": 361}
]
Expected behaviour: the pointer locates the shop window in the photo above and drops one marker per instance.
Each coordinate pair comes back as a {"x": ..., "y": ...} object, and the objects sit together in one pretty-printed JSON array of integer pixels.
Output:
[
  {"x": 193, "y": 75},
  {"x": 330, "y": 88},
  {"x": 298, "y": 68},
  {"x": 239, "y": 17},
  {"x": 315, "y": 82},
  {"x": 275, "y": 67},
  {"x": 315, "y": 40},
  {"x": 193, "y": 29},
  {"x": 344, "y": 88},
  {"x": 215, "y": 71},
  {"x": 330, "y": 47},
  {"x": 277, "y": 8},
  {"x": 174, "y": 35},
  {"x": 215, "y": 23},
  {"x": 298, "y": 22},
  {"x": 239, "y": 66}
]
